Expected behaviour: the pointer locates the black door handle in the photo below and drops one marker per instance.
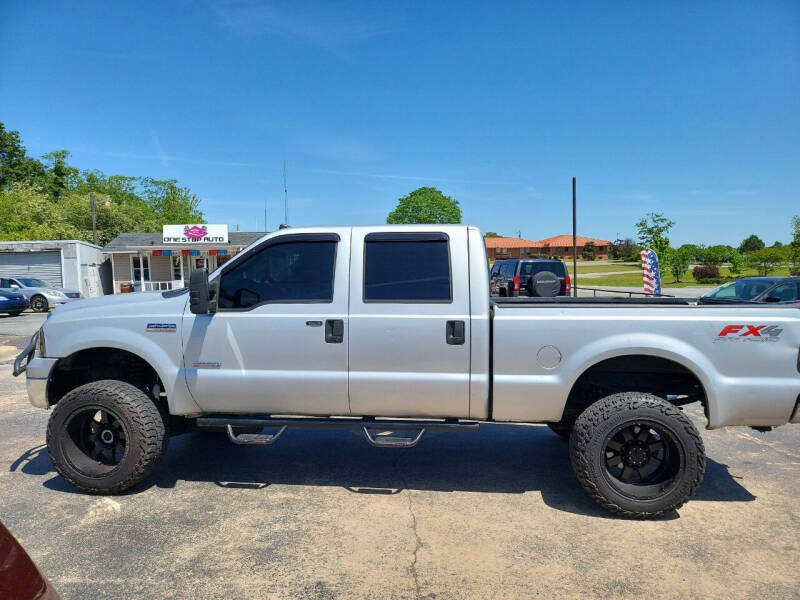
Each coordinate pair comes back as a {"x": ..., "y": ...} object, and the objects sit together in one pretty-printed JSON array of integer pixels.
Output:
[
  {"x": 454, "y": 333},
  {"x": 334, "y": 331}
]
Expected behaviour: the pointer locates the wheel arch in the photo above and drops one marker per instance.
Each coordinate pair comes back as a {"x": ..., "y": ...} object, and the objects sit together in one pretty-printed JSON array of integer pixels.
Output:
[{"x": 645, "y": 368}]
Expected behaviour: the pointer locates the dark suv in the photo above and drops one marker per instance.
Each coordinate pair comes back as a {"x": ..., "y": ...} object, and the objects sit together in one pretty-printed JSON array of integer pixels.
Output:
[{"x": 541, "y": 277}]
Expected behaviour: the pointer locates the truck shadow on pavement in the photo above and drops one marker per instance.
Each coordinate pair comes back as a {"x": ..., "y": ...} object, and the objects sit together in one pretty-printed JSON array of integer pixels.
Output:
[{"x": 502, "y": 459}]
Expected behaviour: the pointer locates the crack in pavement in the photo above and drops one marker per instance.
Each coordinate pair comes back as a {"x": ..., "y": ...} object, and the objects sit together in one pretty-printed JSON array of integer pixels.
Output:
[{"x": 418, "y": 540}]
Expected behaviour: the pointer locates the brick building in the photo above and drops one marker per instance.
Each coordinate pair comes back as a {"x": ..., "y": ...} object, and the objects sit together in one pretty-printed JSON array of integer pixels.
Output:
[{"x": 559, "y": 246}]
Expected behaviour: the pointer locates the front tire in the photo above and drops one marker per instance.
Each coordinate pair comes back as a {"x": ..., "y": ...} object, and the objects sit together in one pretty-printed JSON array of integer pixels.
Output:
[
  {"x": 106, "y": 436},
  {"x": 637, "y": 455},
  {"x": 39, "y": 304}
]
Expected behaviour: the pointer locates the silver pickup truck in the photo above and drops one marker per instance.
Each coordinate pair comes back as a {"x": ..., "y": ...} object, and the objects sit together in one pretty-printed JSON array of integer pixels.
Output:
[{"x": 391, "y": 330}]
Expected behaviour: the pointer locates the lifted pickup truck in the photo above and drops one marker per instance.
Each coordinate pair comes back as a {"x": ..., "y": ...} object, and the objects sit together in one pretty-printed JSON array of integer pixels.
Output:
[{"x": 391, "y": 329}]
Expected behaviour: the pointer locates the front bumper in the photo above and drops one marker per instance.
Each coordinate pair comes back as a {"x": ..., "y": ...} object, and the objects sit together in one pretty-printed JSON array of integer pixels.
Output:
[{"x": 37, "y": 373}]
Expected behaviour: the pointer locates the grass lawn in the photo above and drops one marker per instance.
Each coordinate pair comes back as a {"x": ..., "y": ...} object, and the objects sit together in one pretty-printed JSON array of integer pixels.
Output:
[
  {"x": 635, "y": 278},
  {"x": 605, "y": 268}
]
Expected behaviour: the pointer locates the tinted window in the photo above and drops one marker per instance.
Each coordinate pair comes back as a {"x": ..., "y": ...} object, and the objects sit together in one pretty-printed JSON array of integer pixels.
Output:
[
  {"x": 786, "y": 292},
  {"x": 403, "y": 271},
  {"x": 287, "y": 272},
  {"x": 534, "y": 267},
  {"x": 508, "y": 268}
]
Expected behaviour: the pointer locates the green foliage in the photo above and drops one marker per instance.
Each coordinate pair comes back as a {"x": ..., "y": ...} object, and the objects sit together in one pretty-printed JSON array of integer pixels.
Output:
[
  {"x": 765, "y": 260},
  {"x": 425, "y": 205},
  {"x": 678, "y": 261},
  {"x": 737, "y": 262},
  {"x": 652, "y": 232},
  {"x": 491, "y": 234},
  {"x": 751, "y": 243},
  {"x": 624, "y": 250},
  {"x": 51, "y": 199},
  {"x": 589, "y": 251},
  {"x": 794, "y": 245},
  {"x": 693, "y": 251},
  {"x": 714, "y": 255}
]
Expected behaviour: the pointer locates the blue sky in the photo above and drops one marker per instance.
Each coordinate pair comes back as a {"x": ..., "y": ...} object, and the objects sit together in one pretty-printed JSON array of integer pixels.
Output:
[{"x": 686, "y": 108}]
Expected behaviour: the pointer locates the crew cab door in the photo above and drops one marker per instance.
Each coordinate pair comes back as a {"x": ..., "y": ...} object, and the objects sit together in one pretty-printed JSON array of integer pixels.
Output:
[
  {"x": 409, "y": 322},
  {"x": 278, "y": 340}
]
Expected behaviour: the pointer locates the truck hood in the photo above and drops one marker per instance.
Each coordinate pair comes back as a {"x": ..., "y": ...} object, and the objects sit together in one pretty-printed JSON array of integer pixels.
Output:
[{"x": 142, "y": 303}]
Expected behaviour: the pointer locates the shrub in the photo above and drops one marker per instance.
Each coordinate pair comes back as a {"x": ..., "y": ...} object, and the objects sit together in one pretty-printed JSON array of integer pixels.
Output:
[{"x": 705, "y": 272}]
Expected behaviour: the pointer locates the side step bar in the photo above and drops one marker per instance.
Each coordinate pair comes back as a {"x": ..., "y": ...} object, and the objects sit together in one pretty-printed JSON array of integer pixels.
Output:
[{"x": 369, "y": 426}]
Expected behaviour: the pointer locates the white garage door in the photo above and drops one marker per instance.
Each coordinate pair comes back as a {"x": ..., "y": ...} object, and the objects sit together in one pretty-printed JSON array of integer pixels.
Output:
[{"x": 42, "y": 265}]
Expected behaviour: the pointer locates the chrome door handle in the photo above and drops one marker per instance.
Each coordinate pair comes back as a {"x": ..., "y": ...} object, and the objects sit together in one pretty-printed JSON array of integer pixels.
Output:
[{"x": 314, "y": 323}]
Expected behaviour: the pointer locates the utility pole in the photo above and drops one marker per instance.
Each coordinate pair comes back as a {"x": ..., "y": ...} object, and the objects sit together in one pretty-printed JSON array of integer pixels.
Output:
[
  {"x": 285, "y": 197},
  {"x": 93, "y": 204},
  {"x": 574, "y": 237}
]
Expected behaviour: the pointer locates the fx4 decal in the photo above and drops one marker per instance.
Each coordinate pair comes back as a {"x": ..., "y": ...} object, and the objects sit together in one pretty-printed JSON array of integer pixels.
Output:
[{"x": 749, "y": 333}]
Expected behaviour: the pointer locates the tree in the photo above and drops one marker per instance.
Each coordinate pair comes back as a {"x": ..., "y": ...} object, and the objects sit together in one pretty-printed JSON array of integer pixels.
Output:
[
  {"x": 765, "y": 260},
  {"x": 751, "y": 243},
  {"x": 653, "y": 230},
  {"x": 624, "y": 250},
  {"x": 425, "y": 205},
  {"x": 678, "y": 261},
  {"x": 714, "y": 255},
  {"x": 693, "y": 251},
  {"x": 491, "y": 234},
  {"x": 61, "y": 177},
  {"x": 794, "y": 245},
  {"x": 737, "y": 261},
  {"x": 589, "y": 251},
  {"x": 15, "y": 164}
]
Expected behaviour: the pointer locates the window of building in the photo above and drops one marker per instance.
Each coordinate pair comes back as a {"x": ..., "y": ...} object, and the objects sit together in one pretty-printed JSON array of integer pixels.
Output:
[
  {"x": 289, "y": 272},
  {"x": 407, "y": 268},
  {"x": 136, "y": 268}
]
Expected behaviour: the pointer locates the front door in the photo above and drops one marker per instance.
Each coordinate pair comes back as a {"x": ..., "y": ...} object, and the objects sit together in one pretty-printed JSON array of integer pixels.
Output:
[
  {"x": 409, "y": 323},
  {"x": 278, "y": 340}
]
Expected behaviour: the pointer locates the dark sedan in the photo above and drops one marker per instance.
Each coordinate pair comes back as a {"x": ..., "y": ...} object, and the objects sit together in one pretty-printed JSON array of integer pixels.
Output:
[
  {"x": 779, "y": 290},
  {"x": 12, "y": 302}
]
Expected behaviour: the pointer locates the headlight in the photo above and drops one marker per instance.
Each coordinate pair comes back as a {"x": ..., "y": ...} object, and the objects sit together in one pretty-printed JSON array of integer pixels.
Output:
[
  {"x": 58, "y": 294},
  {"x": 41, "y": 348}
]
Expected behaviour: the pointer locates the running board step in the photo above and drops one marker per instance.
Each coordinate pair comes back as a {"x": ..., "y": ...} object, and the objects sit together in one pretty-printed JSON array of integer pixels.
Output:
[
  {"x": 388, "y": 441},
  {"x": 372, "y": 428},
  {"x": 254, "y": 439}
]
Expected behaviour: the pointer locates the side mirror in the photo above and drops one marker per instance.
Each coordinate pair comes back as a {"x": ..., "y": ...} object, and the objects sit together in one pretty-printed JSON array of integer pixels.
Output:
[{"x": 199, "y": 292}]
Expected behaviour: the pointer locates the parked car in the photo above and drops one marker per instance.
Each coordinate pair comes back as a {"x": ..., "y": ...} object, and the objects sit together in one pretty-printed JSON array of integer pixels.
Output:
[
  {"x": 20, "y": 579},
  {"x": 12, "y": 302},
  {"x": 534, "y": 277},
  {"x": 42, "y": 297},
  {"x": 778, "y": 290},
  {"x": 391, "y": 329}
]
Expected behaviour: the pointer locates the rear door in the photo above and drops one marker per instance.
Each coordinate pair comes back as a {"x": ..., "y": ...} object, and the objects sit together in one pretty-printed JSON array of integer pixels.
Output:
[{"x": 409, "y": 324}]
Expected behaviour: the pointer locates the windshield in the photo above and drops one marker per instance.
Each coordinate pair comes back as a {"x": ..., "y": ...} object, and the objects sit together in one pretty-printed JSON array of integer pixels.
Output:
[
  {"x": 29, "y": 282},
  {"x": 744, "y": 289}
]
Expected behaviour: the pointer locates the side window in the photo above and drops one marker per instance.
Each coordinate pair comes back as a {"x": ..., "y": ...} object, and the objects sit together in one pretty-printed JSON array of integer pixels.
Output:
[
  {"x": 787, "y": 292},
  {"x": 289, "y": 272},
  {"x": 407, "y": 268},
  {"x": 4, "y": 283}
]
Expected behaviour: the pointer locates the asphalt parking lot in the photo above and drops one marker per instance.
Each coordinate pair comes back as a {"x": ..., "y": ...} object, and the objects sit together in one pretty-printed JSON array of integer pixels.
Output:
[{"x": 497, "y": 514}]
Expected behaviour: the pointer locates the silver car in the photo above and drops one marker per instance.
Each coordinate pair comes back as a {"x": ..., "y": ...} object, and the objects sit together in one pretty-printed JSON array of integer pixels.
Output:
[{"x": 41, "y": 296}]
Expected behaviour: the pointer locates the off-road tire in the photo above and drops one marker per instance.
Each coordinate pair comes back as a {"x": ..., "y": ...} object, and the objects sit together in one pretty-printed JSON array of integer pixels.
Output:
[
  {"x": 146, "y": 434},
  {"x": 39, "y": 304},
  {"x": 562, "y": 431},
  {"x": 587, "y": 452}
]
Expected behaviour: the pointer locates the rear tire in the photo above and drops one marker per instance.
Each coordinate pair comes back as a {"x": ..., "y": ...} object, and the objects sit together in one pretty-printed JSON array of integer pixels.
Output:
[
  {"x": 39, "y": 304},
  {"x": 637, "y": 455},
  {"x": 106, "y": 436}
]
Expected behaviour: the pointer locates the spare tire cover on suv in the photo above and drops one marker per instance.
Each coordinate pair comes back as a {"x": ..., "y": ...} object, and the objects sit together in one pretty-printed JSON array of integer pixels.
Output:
[{"x": 545, "y": 284}]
